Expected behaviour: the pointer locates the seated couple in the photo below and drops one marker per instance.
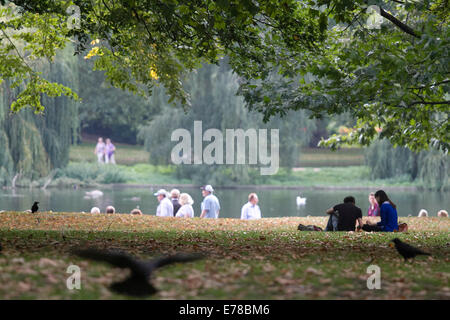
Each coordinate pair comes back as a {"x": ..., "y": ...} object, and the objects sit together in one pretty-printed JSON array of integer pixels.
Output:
[{"x": 344, "y": 216}]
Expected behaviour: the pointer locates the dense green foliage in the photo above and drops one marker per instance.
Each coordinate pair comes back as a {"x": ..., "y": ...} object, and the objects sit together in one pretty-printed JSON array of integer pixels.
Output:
[
  {"x": 215, "y": 104},
  {"x": 32, "y": 145},
  {"x": 108, "y": 111},
  {"x": 431, "y": 168},
  {"x": 319, "y": 55},
  {"x": 392, "y": 79}
]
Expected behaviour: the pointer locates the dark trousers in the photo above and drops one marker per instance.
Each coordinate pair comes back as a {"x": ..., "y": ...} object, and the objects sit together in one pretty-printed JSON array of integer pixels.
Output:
[{"x": 370, "y": 228}]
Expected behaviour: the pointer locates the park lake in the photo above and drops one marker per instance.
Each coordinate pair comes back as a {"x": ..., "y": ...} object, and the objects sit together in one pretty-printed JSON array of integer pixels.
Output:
[{"x": 274, "y": 202}]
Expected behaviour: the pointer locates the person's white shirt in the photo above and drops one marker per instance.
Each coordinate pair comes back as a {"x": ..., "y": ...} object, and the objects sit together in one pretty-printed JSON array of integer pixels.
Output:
[
  {"x": 186, "y": 211},
  {"x": 250, "y": 211},
  {"x": 165, "y": 208}
]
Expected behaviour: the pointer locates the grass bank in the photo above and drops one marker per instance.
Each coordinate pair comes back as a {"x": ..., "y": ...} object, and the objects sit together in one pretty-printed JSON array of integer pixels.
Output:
[
  {"x": 264, "y": 259},
  {"x": 92, "y": 174},
  {"x": 309, "y": 157}
]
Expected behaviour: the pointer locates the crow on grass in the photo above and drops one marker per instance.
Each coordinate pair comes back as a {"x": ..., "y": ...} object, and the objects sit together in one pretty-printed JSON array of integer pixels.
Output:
[
  {"x": 137, "y": 284},
  {"x": 35, "y": 207},
  {"x": 407, "y": 251}
]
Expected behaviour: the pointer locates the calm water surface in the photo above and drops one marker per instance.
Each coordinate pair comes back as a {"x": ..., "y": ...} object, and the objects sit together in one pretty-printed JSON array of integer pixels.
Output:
[{"x": 273, "y": 202}]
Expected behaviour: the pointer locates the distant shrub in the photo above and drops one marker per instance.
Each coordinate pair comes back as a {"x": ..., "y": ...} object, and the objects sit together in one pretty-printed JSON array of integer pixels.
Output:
[{"x": 88, "y": 172}]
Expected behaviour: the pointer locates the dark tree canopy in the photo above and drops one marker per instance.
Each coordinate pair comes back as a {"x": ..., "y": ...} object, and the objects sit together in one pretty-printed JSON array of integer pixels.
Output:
[{"x": 325, "y": 56}]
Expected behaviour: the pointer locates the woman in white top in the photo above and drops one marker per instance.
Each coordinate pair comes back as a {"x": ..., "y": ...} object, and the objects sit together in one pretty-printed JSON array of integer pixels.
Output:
[{"x": 186, "y": 210}]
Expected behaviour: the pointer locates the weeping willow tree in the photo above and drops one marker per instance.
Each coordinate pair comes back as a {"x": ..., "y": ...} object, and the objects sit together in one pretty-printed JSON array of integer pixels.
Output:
[
  {"x": 33, "y": 144},
  {"x": 430, "y": 167},
  {"x": 216, "y": 105}
]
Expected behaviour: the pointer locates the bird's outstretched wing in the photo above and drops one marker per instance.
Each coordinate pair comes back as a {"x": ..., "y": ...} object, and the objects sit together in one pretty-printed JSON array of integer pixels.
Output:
[
  {"x": 179, "y": 257},
  {"x": 115, "y": 258}
]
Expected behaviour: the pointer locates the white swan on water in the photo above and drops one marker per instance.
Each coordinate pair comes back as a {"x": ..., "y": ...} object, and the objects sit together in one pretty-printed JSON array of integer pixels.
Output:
[
  {"x": 94, "y": 193},
  {"x": 301, "y": 201}
]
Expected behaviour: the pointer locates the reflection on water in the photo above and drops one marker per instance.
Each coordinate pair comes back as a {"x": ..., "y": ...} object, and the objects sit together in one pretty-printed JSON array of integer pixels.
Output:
[{"x": 273, "y": 202}]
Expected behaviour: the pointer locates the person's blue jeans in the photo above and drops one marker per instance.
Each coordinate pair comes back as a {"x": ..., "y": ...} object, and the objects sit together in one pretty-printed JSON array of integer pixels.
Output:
[{"x": 332, "y": 223}]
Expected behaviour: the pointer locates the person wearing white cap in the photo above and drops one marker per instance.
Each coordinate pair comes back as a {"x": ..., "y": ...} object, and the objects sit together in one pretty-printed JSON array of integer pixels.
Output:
[
  {"x": 165, "y": 208},
  {"x": 210, "y": 206}
]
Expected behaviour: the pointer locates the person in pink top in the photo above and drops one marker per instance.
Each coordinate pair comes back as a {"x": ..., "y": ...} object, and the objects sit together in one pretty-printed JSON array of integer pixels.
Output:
[{"x": 374, "y": 209}]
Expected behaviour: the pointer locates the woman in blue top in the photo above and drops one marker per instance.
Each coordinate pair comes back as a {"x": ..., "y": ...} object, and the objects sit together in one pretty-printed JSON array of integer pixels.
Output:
[{"x": 388, "y": 214}]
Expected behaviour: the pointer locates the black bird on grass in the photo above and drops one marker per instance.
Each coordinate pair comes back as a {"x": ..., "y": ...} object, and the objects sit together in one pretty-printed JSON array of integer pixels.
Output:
[
  {"x": 137, "y": 284},
  {"x": 407, "y": 251},
  {"x": 35, "y": 207}
]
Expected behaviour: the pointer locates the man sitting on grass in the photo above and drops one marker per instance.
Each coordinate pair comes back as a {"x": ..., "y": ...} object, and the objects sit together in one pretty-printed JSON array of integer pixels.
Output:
[{"x": 343, "y": 216}]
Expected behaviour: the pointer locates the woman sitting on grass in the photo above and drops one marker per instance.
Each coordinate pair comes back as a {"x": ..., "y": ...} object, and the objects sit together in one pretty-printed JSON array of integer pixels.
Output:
[{"x": 388, "y": 213}]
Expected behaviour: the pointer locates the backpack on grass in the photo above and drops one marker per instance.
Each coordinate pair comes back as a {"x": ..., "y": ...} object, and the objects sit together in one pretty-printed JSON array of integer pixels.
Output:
[{"x": 301, "y": 227}]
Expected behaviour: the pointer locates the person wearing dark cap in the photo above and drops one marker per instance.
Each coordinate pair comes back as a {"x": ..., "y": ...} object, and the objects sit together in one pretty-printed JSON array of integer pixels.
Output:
[{"x": 210, "y": 206}]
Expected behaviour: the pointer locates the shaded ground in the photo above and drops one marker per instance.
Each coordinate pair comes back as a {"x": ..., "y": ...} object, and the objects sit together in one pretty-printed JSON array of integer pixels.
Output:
[{"x": 265, "y": 259}]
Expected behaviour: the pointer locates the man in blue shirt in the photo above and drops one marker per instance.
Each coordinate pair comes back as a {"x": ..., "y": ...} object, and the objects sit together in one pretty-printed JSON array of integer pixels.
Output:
[{"x": 210, "y": 206}]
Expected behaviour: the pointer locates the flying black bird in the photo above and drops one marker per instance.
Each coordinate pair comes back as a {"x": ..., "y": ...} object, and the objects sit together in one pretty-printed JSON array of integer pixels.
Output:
[
  {"x": 137, "y": 284},
  {"x": 407, "y": 251},
  {"x": 35, "y": 207}
]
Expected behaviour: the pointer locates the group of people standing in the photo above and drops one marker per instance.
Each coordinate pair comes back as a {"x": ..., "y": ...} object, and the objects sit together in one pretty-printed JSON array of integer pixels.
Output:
[
  {"x": 105, "y": 151},
  {"x": 176, "y": 204}
]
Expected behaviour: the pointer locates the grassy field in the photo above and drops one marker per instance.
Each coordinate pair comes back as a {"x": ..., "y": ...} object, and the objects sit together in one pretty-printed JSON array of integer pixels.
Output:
[
  {"x": 125, "y": 154},
  {"x": 318, "y": 168},
  {"x": 91, "y": 174},
  {"x": 264, "y": 259},
  {"x": 130, "y": 154},
  {"x": 326, "y": 158}
]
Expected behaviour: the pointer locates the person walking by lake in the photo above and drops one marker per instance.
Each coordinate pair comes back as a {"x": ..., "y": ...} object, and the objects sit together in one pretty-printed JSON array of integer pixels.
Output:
[
  {"x": 210, "y": 206},
  {"x": 388, "y": 214},
  {"x": 110, "y": 149},
  {"x": 175, "y": 195},
  {"x": 374, "y": 208},
  {"x": 343, "y": 217},
  {"x": 186, "y": 210},
  {"x": 165, "y": 207},
  {"x": 100, "y": 150},
  {"x": 251, "y": 210}
]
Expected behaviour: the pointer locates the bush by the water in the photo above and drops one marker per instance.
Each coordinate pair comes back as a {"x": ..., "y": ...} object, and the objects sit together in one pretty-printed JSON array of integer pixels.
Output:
[{"x": 91, "y": 173}]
